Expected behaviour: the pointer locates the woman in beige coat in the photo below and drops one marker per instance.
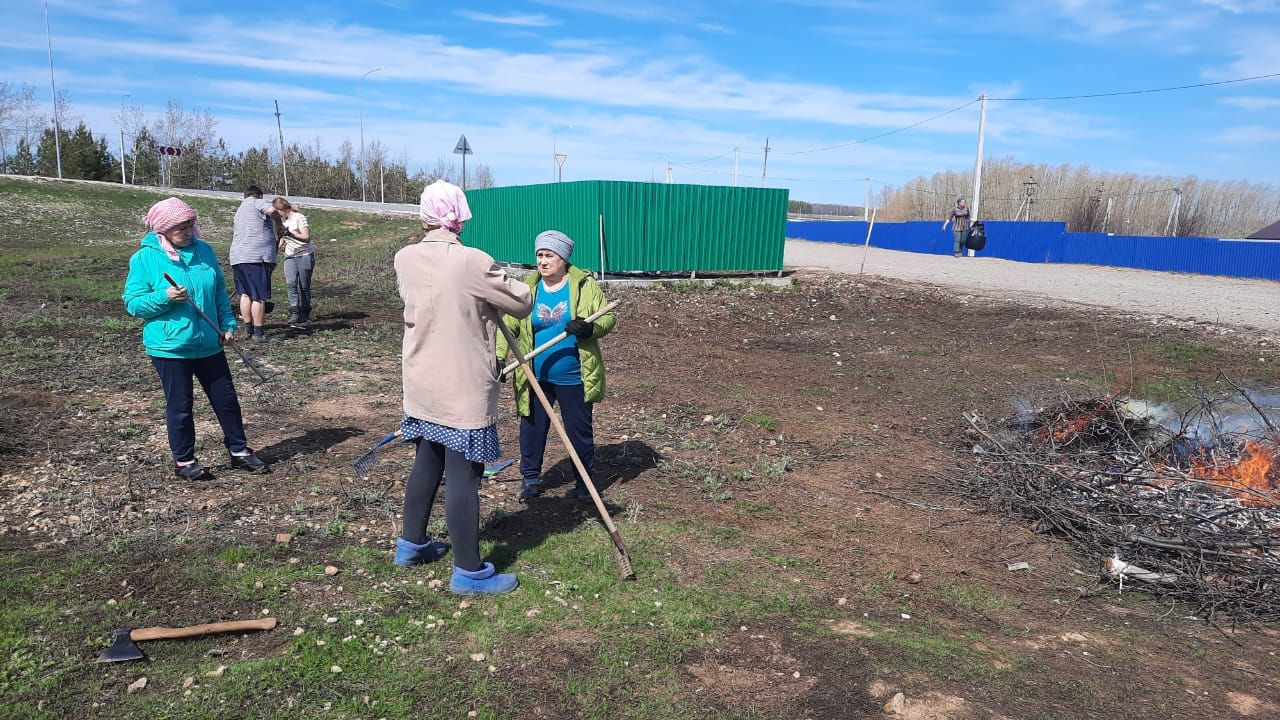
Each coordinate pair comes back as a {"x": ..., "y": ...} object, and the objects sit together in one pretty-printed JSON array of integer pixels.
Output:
[{"x": 454, "y": 296}]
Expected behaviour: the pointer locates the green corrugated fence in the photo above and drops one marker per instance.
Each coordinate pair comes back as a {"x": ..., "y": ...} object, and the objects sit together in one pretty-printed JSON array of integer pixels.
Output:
[{"x": 648, "y": 227}]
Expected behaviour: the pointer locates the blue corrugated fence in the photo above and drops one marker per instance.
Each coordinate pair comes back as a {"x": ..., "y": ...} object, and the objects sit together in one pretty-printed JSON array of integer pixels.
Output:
[{"x": 1050, "y": 242}]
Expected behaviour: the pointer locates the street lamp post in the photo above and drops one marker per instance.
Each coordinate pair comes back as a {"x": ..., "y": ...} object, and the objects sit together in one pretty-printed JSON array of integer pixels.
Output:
[
  {"x": 556, "y": 157},
  {"x": 361, "y": 94},
  {"x": 57, "y": 125}
]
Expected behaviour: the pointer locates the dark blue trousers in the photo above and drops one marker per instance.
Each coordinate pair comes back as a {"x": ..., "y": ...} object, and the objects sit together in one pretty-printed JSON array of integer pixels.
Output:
[
  {"x": 576, "y": 413},
  {"x": 215, "y": 377}
]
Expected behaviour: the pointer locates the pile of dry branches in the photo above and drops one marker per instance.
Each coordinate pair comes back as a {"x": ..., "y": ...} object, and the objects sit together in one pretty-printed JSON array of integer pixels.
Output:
[{"x": 1187, "y": 518}]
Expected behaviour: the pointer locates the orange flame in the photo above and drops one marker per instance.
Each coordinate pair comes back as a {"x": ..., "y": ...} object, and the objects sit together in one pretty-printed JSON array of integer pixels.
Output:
[{"x": 1254, "y": 476}]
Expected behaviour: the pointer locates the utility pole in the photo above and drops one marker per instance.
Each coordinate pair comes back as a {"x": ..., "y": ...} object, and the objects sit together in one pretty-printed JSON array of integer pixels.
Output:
[
  {"x": 123, "y": 180},
  {"x": 764, "y": 169},
  {"x": 867, "y": 202},
  {"x": 1172, "y": 222},
  {"x": 57, "y": 124},
  {"x": 1106, "y": 220},
  {"x": 284, "y": 167},
  {"x": 977, "y": 163},
  {"x": 669, "y": 172},
  {"x": 360, "y": 92},
  {"x": 1028, "y": 197},
  {"x": 735, "y": 167},
  {"x": 382, "y": 180}
]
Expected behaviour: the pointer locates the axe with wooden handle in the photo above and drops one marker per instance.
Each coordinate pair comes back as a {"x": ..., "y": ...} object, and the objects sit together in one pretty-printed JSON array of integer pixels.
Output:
[{"x": 124, "y": 649}]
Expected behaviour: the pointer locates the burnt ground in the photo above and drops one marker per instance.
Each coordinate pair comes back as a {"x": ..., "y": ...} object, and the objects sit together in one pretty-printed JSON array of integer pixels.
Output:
[{"x": 783, "y": 446}]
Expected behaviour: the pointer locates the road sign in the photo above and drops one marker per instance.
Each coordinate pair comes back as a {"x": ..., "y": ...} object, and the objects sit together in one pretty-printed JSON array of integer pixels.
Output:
[
  {"x": 463, "y": 147},
  {"x": 169, "y": 150}
]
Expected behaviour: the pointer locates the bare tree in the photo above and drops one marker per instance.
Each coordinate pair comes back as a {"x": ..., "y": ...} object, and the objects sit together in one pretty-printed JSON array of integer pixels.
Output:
[
  {"x": 20, "y": 118},
  {"x": 1092, "y": 201},
  {"x": 132, "y": 120}
]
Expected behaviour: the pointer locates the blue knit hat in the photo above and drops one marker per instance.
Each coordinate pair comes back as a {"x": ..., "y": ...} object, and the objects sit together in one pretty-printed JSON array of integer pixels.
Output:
[{"x": 555, "y": 241}]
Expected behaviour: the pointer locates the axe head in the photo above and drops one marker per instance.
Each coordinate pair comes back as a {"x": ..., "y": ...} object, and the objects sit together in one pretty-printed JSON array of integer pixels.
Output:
[{"x": 122, "y": 648}]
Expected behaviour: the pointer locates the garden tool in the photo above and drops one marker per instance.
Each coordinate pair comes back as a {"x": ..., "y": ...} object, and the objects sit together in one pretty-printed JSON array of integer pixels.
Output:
[
  {"x": 365, "y": 462},
  {"x": 248, "y": 359},
  {"x": 124, "y": 649},
  {"x": 553, "y": 341},
  {"x": 619, "y": 550}
]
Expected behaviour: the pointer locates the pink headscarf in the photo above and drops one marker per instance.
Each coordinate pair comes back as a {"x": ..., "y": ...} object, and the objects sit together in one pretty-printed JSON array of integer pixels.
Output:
[
  {"x": 164, "y": 216},
  {"x": 444, "y": 204}
]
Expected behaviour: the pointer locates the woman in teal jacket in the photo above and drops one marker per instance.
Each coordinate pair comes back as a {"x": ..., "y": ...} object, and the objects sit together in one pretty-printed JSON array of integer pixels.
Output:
[{"x": 181, "y": 345}]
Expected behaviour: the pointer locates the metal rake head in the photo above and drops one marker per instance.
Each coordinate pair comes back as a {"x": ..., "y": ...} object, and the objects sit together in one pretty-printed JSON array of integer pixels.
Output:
[{"x": 364, "y": 464}]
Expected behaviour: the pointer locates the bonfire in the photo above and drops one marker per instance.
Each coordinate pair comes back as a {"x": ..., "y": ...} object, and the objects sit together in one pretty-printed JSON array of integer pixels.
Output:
[{"x": 1188, "y": 516}]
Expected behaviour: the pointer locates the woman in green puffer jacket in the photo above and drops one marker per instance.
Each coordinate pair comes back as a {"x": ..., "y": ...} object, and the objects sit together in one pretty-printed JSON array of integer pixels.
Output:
[{"x": 571, "y": 373}]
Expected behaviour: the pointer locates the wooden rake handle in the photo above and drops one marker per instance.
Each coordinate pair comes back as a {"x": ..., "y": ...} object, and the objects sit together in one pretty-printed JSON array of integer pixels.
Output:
[
  {"x": 553, "y": 341},
  {"x": 620, "y": 550},
  {"x": 164, "y": 633}
]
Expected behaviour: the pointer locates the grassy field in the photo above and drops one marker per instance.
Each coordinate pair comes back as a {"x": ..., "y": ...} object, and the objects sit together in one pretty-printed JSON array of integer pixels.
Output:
[{"x": 769, "y": 455}]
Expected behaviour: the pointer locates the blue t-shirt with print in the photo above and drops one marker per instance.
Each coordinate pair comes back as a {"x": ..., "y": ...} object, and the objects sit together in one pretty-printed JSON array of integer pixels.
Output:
[{"x": 558, "y": 364}]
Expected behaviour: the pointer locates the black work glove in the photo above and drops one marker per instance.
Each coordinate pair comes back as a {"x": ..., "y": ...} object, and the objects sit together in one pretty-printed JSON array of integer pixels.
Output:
[
  {"x": 502, "y": 377},
  {"x": 580, "y": 328}
]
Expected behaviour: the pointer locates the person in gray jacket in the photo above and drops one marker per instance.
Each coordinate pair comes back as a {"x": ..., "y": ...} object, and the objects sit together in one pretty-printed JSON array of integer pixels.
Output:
[
  {"x": 454, "y": 297},
  {"x": 253, "y": 258}
]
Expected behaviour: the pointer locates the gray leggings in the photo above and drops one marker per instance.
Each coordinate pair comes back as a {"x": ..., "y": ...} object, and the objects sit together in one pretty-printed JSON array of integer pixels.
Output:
[
  {"x": 297, "y": 279},
  {"x": 461, "y": 500}
]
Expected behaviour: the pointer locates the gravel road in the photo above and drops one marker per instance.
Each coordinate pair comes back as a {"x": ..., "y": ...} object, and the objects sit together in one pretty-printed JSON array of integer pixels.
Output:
[{"x": 1202, "y": 299}]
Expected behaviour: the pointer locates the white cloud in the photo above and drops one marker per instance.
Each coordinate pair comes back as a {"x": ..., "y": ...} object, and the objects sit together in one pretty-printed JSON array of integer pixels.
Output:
[
  {"x": 1239, "y": 7},
  {"x": 1249, "y": 135},
  {"x": 1256, "y": 52},
  {"x": 1252, "y": 102},
  {"x": 650, "y": 11},
  {"x": 521, "y": 20},
  {"x": 615, "y": 78}
]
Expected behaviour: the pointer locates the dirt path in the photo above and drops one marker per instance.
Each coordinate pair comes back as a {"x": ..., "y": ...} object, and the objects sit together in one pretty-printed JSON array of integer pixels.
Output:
[{"x": 1200, "y": 298}]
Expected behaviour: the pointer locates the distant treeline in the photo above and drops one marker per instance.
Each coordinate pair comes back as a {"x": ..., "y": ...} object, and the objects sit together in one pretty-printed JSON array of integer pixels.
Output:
[
  {"x": 801, "y": 207},
  {"x": 1091, "y": 201},
  {"x": 28, "y": 146}
]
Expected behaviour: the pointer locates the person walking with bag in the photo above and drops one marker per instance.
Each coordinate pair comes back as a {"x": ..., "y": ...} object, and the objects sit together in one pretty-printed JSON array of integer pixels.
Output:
[
  {"x": 454, "y": 297},
  {"x": 571, "y": 373},
  {"x": 178, "y": 341},
  {"x": 299, "y": 259}
]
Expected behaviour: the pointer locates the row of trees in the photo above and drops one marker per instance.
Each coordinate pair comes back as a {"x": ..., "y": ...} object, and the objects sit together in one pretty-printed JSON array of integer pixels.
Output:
[
  {"x": 29, "y": 146},
  {"x": 1092, "y": 201}
]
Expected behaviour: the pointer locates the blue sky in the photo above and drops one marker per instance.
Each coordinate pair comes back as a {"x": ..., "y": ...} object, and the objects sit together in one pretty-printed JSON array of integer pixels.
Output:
[{"x": 651, "y": 81}]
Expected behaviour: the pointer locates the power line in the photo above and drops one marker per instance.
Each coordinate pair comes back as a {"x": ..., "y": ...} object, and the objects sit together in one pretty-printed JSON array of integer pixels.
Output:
[
  {"x": 1138, "y": 92},
  {"x": 881, "y": 135},
  {"x": 699, "y": 162},
  {"x": 839, "y": 145}
]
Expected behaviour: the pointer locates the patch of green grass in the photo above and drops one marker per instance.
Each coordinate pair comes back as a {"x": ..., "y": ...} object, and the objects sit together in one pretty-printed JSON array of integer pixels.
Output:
[
  {"x": 975, "y": 598},
  {"x": 936, "y": 651},
  {"x": 1163, "y": 388},
  {"x": 1183, "y": 351},
  {"x": 752, "y": 506},
  {"x": 733, "y": 390},
  {"x": 384, "y": 636},
  {"x": 760, "y": 420}
]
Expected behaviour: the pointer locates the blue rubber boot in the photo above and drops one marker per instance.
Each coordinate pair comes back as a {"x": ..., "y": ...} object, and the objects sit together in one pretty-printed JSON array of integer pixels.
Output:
[
  {"x": 409, "y": 554},
  {"x": 485, "y": 581}
]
